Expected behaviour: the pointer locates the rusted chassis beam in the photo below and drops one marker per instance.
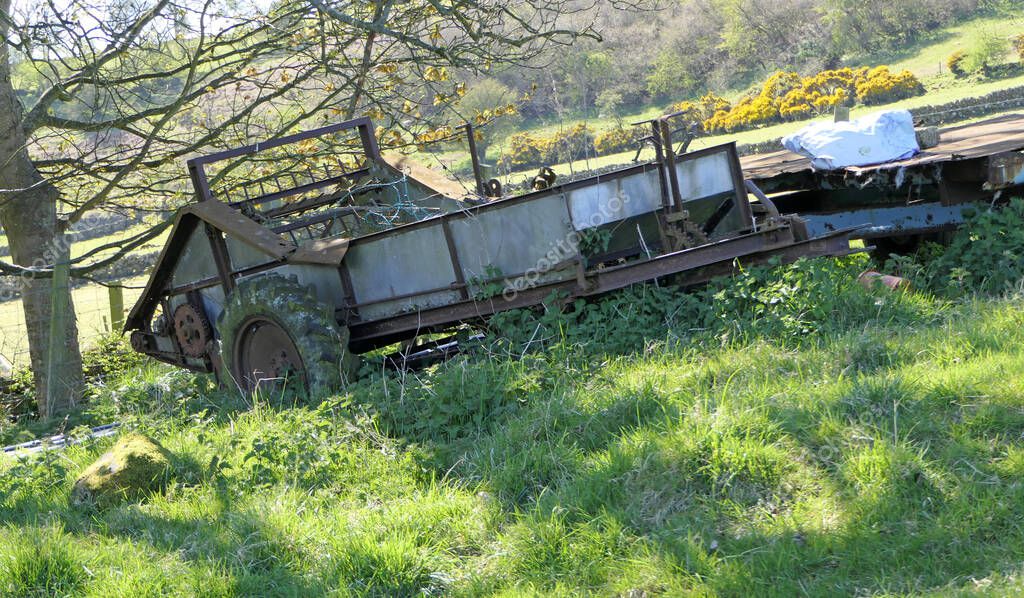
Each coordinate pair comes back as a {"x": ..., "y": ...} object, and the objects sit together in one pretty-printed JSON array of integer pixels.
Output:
[{"x": 686, "y": 268}]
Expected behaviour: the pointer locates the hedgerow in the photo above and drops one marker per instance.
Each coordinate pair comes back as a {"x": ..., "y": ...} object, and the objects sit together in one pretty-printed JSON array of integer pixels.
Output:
[
  {"x": 526, "y": 149},
  {"x": 618, "y": 139}
]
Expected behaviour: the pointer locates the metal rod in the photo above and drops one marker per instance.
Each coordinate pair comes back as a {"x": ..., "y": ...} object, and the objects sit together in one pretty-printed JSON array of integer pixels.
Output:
[
  {"x": 670, "y": 163},
  {"x": 477, "y": 172},
  {"x": 453, "y": 254},
  {"x": 199, "y": 182},
  {"x": 219, "y": 247},
  {"x": 363, "y": 123}
]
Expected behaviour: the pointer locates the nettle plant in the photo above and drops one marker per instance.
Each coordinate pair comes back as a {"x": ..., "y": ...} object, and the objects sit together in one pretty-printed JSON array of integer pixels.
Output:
[
  {"x": 787, "y": 304},
  {"x": 985, "y": 256}
]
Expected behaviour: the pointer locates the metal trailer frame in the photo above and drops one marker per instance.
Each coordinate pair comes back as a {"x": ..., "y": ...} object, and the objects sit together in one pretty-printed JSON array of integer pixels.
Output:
[
  {"x": 972, "y": 167},
  {"x": 429, "y": 274}
]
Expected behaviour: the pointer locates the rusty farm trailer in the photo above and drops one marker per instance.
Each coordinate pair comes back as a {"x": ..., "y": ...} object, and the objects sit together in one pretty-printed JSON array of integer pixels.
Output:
[{"x": 304, "y": 251}]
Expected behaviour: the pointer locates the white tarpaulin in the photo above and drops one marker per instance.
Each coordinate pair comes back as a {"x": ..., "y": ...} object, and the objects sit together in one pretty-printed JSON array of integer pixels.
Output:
[{"x": 873, "y": 139}]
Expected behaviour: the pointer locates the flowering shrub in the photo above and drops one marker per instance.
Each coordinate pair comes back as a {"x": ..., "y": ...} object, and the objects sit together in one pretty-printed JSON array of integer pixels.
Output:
[
  {"x": 955, "y": 63},
  {"x": 883, "y": 86},
  {"x": 568, "y": 144},
  {"x": 755, "y": 109},
  {"x": 525, "y": 150},
  {"x": 703, "y": 109},
  {"x": 618, "y": 139},
  {"x": 820, "y": 93},
  {"x": 787, "y": 96}
]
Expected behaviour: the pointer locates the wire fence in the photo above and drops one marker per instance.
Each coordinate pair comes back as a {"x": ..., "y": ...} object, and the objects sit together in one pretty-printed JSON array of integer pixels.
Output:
[
  {"x": 99, "y": 304},
  {"x": 93, "y": 314}
]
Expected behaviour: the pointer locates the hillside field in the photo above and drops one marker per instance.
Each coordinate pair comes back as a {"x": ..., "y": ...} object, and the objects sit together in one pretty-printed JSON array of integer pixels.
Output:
[
  {"x": 786, "y": 432},
  {"x": 926, "y": 59}
]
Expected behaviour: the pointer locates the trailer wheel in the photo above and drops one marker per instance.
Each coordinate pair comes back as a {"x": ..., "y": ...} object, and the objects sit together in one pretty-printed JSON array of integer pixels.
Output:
[{"x": 273, "y": 330}]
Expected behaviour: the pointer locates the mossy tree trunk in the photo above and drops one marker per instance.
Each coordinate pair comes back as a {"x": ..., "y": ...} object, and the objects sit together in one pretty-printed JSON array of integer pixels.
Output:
[{"x": 28, "y": 214}]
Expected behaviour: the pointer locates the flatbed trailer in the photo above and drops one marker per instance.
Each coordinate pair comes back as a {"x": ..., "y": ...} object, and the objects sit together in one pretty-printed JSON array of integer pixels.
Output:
[
  {"x": 303, "y": 251},
  {"x": 972, "y": 167}
]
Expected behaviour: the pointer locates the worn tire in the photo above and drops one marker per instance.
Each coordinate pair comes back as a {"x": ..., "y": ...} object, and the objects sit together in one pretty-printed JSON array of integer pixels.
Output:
[{"x": 321, "y": 343}]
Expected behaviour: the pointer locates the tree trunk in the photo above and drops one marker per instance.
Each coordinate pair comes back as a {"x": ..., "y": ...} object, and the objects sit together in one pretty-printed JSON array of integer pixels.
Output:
[{"x": 29, "y": 218}]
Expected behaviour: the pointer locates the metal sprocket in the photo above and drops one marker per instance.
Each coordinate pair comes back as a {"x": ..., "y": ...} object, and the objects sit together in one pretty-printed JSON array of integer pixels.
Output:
[{"x": 192, "y": 330}]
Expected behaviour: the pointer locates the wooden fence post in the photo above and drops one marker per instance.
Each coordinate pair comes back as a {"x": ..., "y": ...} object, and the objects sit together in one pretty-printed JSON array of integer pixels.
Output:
[
  {"x": 57, "y": 352},
  {"x": 115, "y": 292}
]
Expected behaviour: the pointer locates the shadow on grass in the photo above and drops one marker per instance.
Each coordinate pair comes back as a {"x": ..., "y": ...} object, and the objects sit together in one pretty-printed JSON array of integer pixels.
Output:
[
  {"x": 888, "y": 486},
  {"x": 881, "y": 56}
]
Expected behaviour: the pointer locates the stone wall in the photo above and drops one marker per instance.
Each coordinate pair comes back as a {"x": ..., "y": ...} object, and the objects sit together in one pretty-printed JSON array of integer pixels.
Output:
[{"x": 960, "y": 110}]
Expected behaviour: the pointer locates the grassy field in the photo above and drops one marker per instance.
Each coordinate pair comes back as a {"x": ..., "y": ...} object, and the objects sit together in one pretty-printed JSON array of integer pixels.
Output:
[
  {"x": 783, "y": 433},
  {"x": 928, "y": 58},
  {"x": 81, "y": 247},
  {"x": 91, "y": 300}
]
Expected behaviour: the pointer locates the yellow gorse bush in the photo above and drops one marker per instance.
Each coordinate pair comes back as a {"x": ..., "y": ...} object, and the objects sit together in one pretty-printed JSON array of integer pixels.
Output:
[
  {"x": 574, "y": 142},
  {"x": 618, "y": 139},
  {"x": 703, "y": 109},
  {"x": 955, "y": 63},
  {"x": 786, "y": 96}
]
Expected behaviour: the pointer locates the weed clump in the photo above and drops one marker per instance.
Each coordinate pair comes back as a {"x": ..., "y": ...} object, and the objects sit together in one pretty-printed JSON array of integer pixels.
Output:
[{"x": 790, "y": 305}]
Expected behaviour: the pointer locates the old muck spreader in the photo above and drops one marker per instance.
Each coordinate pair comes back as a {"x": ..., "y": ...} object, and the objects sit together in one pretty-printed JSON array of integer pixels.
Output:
[{"x": 307, "y": 250}]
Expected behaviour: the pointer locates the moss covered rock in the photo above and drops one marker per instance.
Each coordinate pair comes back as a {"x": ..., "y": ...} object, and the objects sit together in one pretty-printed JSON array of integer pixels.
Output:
[{"x": 133, "y": 468}]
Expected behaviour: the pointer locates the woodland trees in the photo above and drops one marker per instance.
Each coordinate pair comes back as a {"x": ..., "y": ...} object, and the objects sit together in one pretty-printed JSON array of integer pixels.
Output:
[{"x": 690, "y": 47}]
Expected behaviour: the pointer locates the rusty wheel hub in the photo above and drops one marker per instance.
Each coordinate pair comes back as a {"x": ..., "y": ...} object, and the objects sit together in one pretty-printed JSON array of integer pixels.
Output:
[
  {"x": 192, "y": 330},
  {"x": 264, "y": 351}
]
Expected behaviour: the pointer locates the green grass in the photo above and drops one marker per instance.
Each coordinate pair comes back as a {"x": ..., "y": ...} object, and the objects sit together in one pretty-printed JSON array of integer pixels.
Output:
[
  {"x": 81, "y": 247},
  {"x": 156, "y": 244},
  {"x": 928, "y": 58},
  {"x": 91, "y": 301},
  {"x": 844, "y": 442}
]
